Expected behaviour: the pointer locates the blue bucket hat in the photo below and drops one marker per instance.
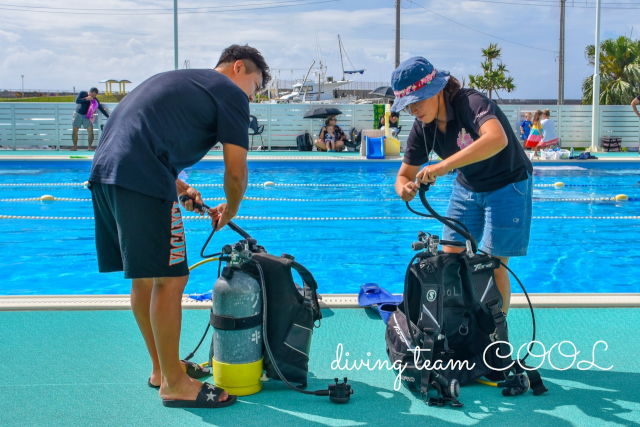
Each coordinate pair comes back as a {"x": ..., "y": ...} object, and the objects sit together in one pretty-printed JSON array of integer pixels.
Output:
[{"x": 414, "y": 80}]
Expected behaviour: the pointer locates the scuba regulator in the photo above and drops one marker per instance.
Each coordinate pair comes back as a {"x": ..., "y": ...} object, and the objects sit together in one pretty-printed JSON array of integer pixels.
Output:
[{"x": 240, "y": 320}]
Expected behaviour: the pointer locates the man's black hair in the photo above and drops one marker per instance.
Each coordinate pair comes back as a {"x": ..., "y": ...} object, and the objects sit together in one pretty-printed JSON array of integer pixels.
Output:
[
  {"x": 94, "y": 89},
  {"x": 253, "y": 60}
]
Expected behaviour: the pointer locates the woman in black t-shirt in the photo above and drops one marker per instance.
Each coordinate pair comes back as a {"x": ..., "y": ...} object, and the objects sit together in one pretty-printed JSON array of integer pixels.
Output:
[{"x": 492, "y": 192}]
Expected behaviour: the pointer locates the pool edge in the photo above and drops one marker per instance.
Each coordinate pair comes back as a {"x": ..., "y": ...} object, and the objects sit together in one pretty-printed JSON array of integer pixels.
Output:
[{"x": 122, "y": 302}]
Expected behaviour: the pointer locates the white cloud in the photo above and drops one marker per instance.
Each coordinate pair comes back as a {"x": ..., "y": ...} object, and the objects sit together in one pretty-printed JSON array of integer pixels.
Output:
[
  {"x": 7, "y": 37},
  {"x": 63, "y": 50}
]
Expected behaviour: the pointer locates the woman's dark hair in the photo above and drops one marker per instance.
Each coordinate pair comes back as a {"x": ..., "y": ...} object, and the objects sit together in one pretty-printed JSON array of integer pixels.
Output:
[
  {"x": 94, "y": 90},
  {"x": 328, "y": 120},
  {"x": 452, "y": 87},
  {"x": 252, "y": 58}
]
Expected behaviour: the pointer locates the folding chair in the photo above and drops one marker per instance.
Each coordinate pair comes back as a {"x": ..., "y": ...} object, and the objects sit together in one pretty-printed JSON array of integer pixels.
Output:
[{"x": 256, "y": 130}]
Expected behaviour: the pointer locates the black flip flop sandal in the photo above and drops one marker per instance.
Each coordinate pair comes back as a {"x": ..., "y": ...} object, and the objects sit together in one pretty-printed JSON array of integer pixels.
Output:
[
  {"x": 207, "y": 398},
  {"x": 196, "y": 371},
  {"x": 157, "y": 387}
]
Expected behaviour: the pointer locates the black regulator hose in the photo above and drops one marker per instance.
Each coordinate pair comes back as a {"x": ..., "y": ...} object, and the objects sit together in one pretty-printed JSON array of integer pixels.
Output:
[
  {"x": 201, "y": 207},
  {"x": 449, "y": 222}
]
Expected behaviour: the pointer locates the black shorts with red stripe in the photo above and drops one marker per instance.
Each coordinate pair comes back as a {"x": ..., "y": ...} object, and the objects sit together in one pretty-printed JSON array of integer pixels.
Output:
[{"x": 138, "y": 234}]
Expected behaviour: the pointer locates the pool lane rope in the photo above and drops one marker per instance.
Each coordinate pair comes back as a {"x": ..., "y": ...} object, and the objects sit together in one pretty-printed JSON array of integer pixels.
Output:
[
  {"x": 618, "y": 198},
  {"x": 49, "y": 198},
  {"x": 285, "y": 185},
  {"x": 290, "y": 218}
]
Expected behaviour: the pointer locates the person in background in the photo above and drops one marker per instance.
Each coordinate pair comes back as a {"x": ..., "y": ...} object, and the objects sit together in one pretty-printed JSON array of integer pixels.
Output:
[
  {"x": 331, "y": 136},
  {"x": 393, "y": 123},
  {"x": 535, "y": 136},
  {"x": 80, "y": 118},
  {"x": 525, "y": 127},
  {"x": 549, "y": 136},
  {"x": 634, "y": 103}
]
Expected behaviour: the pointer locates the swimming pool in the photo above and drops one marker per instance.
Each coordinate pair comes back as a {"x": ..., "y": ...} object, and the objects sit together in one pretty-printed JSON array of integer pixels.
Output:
[{"x": 350, "y": 227}]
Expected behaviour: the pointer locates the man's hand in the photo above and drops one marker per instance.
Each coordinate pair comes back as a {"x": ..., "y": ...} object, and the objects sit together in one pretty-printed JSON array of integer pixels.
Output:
[
  {"x": 409, "y": 191},
  {"x": 195, "y": 195},
  {"x": 220, "y": 216},
  {"x": 88, "y": 98},
  {"x": 429, "y": 174}
]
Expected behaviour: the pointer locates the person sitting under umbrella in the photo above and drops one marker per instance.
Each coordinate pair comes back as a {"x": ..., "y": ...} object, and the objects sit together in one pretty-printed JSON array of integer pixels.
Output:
[
  {"x": 393, "y": 123},
  {"x": 331, "y": 137}
]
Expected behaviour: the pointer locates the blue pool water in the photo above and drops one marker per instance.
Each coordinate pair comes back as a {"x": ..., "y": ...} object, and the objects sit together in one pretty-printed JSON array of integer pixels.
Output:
[{"x": 49, "y": 257}]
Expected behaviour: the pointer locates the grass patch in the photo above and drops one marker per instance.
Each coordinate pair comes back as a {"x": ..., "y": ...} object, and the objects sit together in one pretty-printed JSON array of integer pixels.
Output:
[{"x": 66, "y": 98}]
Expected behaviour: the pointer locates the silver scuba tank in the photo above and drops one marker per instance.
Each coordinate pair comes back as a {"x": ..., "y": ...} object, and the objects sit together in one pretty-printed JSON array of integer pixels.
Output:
[{"x": 237, "y": 332}]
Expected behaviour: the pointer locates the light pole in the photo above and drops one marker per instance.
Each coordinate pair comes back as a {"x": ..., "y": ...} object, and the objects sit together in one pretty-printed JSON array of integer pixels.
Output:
[
  {"x": 397, "y": 62},
  {"x": 595, "y": 113},
  {"x": 22, "y": 75},
  {"x": 561, "y": 56},
  {"x": 175, "y": 33}
]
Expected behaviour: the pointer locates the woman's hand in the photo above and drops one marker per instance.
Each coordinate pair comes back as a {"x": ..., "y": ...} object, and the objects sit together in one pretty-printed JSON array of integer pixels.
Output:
[
  {"x": 409, "y": 191},
  {"x": 429, "y": 174}
]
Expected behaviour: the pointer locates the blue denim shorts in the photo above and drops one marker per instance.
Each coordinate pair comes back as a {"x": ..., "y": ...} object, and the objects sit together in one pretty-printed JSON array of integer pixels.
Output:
[{"x": 499, "y": 220}]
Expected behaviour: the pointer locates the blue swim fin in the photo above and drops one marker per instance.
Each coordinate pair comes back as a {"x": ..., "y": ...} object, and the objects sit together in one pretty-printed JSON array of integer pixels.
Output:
[
  {"x": 371, "y": 293},
  {"x": 385, "y": 310},
  {"x": 202, "y": 297}
]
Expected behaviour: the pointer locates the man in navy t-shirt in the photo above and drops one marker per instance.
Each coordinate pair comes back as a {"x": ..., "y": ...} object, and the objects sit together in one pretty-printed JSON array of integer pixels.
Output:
[{"x": 163, "y": 126}]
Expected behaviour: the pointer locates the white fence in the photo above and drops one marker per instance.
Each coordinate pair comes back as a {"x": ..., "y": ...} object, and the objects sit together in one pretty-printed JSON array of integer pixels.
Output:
[{"x": 30, "y": 125}]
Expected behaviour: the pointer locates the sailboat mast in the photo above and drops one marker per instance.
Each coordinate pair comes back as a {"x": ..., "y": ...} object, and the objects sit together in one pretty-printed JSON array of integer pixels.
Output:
[{"x": 341, "y": 62}]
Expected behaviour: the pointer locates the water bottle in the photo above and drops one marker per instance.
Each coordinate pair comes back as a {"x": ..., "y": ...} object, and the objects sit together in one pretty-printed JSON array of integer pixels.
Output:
[{"x": 571, "y": 154}]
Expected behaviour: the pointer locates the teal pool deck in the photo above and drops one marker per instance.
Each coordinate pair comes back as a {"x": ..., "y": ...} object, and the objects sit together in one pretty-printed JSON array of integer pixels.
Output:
[
  {"x": 80, "y": 360},
  {"x": 90, "y": 368}
]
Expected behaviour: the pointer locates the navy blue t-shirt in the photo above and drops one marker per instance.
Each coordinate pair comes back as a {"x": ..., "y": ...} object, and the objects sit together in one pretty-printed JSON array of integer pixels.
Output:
[
  {"x": 466, "y": 113},
  {"x": 167, "y": 124}
]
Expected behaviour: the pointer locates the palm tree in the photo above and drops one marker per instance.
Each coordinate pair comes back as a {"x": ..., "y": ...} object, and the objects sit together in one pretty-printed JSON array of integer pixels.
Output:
[
  {"x": 619, "y": 71},
  {"x": 492, "y": 79}
]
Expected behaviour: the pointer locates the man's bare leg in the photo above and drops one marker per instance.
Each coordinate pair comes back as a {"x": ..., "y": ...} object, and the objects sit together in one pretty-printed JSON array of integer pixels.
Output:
[
  {"x": 74, "y": 138},
  {"x": 90, "y": 131},
  {"x": 166, "y": 321},
  {"x": 141, "y": 305}
]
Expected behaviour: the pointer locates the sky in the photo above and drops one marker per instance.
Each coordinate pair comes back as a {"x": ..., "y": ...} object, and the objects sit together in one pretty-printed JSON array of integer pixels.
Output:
[{"x": 86, "y": 41}]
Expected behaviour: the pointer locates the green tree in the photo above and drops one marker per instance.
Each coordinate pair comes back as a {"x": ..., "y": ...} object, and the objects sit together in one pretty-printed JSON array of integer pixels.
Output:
[
  {"x": 619, "y": 71},
  {"x": 494, "y": 76}
]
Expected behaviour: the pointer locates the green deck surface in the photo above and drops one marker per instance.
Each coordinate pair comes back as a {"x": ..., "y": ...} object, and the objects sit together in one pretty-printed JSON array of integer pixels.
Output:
[{"x": 81, "y": 368}]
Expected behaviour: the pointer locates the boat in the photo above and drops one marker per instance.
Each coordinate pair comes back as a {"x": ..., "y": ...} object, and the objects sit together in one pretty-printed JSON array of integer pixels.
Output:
[{"x": 321, "y": 88}]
